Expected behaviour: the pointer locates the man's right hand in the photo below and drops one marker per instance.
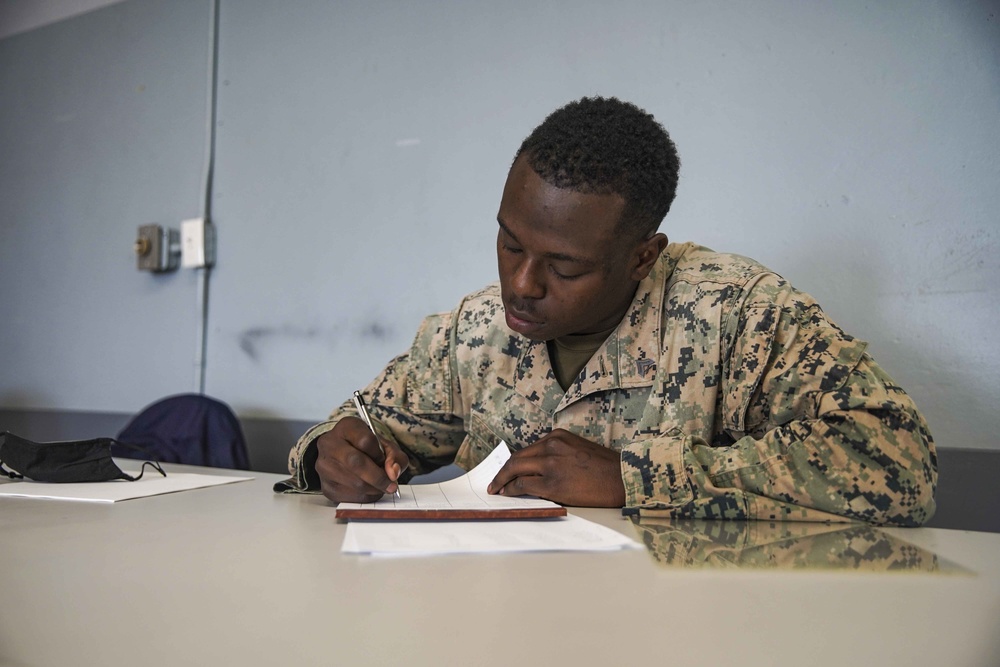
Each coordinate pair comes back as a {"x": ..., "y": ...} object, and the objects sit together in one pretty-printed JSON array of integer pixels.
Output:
[{"x": 351, "y": 467}]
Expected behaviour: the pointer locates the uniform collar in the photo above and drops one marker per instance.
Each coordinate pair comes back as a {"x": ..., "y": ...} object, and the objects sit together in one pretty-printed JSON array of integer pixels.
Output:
[{"x": 627, "y": 359}]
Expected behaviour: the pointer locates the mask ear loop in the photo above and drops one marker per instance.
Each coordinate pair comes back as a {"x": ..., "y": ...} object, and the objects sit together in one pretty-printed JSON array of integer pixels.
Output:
[
  {"x": 142, "y": 470},
  {"x": 10, "y": 473}
]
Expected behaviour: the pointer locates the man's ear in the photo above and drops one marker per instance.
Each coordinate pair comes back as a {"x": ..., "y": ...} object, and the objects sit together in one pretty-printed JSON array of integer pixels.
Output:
[{"x": 646, "y": 254}]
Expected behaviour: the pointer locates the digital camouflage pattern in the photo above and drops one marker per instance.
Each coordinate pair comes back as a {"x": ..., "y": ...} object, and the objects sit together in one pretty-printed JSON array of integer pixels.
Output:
[{"x": 729, "y": 394}]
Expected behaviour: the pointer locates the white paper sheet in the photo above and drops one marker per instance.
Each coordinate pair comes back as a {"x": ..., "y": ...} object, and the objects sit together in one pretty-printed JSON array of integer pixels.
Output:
[
  {"x": 151, "y": 484},
  {"x": 424, "y": 538},
  {"x": 467, "y": 492}
]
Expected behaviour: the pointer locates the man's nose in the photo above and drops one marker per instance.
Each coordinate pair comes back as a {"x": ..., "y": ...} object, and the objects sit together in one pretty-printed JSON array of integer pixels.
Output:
[{"x": 527, "y": 281}]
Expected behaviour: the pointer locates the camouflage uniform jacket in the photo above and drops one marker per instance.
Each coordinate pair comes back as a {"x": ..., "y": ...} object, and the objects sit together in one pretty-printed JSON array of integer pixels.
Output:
[{"x": 729, "y": 394}]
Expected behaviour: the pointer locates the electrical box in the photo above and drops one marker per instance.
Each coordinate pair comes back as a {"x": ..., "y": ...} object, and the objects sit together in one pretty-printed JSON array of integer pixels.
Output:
[
  {"x": 197, "y": 243},
  {"x": 157, "y": 249}
]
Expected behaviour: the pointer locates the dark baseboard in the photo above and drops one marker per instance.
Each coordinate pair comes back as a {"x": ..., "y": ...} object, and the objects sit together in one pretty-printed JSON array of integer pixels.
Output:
[
  {"x": 968, "y": 495},
  {"x": 269, "y": 441}
]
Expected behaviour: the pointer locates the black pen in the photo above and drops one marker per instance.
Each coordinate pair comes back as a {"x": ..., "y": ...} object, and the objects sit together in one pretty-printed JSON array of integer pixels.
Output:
[{"x": 359, "y": 403}]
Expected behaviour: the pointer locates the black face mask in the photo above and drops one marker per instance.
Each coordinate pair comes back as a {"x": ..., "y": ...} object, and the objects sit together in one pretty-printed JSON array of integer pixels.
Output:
[{"x": 69, "y": 461}]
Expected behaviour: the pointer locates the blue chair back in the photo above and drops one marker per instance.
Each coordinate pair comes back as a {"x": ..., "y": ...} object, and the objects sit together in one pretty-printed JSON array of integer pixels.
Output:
[{"x": 187, "y": 428}]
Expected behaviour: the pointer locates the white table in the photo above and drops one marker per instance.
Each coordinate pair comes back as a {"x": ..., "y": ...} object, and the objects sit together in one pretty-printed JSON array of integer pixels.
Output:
[{"x": 238, "y": 575}]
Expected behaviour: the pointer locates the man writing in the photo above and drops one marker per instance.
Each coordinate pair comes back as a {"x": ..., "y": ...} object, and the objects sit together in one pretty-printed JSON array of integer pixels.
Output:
[{"x": 624, "y": 371}]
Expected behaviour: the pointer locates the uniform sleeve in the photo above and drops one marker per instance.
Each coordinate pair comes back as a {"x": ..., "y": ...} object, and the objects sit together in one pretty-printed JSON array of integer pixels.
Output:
[
  {"x": 411, "y": 403},
  {"x": 819, "y": 432}
]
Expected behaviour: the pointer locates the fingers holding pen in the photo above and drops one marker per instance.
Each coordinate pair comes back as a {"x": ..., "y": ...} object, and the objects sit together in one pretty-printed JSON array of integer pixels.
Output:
[{"x": 352, "y": 466}]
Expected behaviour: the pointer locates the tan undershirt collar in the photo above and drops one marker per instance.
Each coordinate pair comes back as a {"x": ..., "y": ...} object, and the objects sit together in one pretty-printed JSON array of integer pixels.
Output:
[{"x": 569, "y": 354}]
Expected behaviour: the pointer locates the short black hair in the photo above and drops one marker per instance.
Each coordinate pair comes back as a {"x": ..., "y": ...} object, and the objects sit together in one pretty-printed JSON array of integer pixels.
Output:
[{"x": 602, "y": 145}]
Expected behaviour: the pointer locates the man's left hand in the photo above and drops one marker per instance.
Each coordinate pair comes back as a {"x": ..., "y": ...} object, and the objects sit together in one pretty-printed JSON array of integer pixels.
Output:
[{"x": 566, "y": 469}]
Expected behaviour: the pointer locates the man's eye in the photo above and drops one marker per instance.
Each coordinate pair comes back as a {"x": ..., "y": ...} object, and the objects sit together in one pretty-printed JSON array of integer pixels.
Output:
[
  {"x": 564, "y": 276},
  {"x": 510, "y": 248}
]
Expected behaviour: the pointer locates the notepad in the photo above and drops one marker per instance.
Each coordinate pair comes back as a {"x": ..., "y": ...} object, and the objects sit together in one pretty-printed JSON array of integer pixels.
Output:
[{"x": 464, "y": 497}]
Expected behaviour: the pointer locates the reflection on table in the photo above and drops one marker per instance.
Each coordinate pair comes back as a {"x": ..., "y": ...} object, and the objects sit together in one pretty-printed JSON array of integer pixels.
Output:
[{"x": 788, "y": 545}]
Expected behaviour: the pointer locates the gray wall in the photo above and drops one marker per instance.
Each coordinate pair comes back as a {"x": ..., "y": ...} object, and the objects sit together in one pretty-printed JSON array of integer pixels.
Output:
[
  {"x": 362, "y": 146},
  {"x": 102, "y": 129}
]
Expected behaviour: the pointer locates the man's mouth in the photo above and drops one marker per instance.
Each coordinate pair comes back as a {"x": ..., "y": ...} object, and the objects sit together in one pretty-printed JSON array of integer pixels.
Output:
[{"x": 521, "y": 322}]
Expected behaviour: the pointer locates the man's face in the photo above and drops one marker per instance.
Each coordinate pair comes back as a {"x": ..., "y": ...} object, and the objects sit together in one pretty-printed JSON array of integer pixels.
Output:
[{"x": 562, "y": 268}]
